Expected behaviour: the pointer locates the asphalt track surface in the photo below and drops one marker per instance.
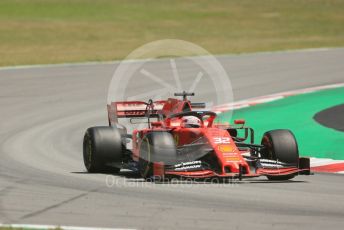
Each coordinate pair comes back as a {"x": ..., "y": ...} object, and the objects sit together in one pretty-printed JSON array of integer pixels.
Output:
[
  {"x": 332, "y": 117},
  {"x": 45, "y": 111}
]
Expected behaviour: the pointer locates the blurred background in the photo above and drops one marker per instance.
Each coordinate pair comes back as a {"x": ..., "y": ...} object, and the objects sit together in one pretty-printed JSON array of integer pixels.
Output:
[{"x": 57, "y": 31}]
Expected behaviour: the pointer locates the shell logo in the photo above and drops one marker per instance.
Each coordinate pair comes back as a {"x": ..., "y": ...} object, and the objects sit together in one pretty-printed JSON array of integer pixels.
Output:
[{"x": 225, "y": 148}]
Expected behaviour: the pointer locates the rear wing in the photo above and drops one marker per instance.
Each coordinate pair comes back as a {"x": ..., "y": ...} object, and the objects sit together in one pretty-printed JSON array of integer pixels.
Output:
[
  {"x": 135, "y": 109},
  {"x": 131, "y": 109}
]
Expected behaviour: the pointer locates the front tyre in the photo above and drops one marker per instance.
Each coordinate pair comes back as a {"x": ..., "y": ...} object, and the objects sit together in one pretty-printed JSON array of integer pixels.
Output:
[
  {"x": 156, "y": 147},
  {"x": 281, "y": 145},
  {"x": 145, "y": 164}
]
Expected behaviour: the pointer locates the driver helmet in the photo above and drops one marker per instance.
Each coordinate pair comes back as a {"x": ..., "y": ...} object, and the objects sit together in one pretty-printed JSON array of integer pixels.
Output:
[{"x": 191, "y": 122}]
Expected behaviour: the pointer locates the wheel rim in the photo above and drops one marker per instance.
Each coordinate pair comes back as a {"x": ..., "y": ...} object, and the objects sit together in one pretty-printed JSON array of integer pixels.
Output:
[
  {"x": 145, "y": 160},
  {"x": 268, "y": 148}
]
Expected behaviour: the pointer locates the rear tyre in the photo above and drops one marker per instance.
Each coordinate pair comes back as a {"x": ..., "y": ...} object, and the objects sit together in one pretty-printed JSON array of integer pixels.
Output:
[
  {"x": 281, "y": 145},
  {"x": 102, "y": 145},
  {"x": 156, "y": 147}
]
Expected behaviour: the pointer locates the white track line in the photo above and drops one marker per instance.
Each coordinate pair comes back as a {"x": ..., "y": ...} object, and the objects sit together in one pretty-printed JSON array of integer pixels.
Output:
[
  {"x": 272, "y": 97},
  {"x": 37, "y": 226},
  {"x": 160, "y": 59},
  {"x": 315, "y": 162}
]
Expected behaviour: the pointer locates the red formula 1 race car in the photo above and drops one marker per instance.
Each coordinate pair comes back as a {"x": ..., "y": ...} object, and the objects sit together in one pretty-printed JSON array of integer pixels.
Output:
[{"x": 173, "y": 140}]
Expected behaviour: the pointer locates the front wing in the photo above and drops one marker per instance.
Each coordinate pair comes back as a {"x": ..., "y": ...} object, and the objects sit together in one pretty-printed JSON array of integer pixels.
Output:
[{"x": 302, "y": 169}]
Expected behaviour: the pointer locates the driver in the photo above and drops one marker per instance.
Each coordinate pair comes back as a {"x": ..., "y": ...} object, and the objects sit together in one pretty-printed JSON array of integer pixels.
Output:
[{"x": 191, "y": 122}]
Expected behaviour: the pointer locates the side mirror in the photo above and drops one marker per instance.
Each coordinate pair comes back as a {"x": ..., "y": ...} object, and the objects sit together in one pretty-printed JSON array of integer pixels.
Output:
[
  {"x": 156, "y": 124},
  {"x": 239, "y": 121},
  {"x": 198, "y": 105},
  {"x": 233, "y": 132}
]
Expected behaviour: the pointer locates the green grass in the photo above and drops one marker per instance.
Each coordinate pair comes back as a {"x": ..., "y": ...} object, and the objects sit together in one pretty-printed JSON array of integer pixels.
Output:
[{"x": 55, "y": 31}]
